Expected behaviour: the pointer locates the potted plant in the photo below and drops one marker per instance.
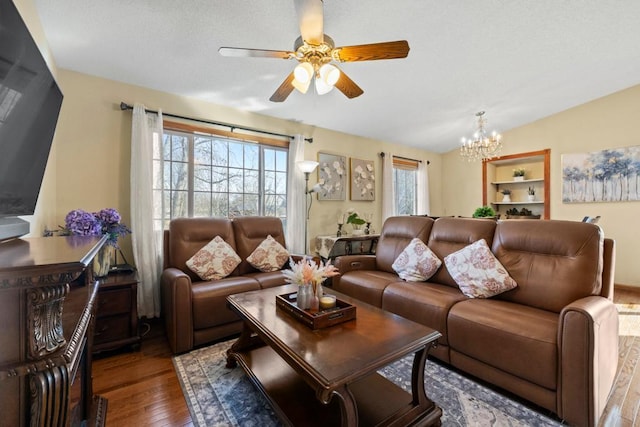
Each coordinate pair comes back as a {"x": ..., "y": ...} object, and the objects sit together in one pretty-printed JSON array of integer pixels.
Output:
[
  {"x": 531, "y": 194},
  {"x": 506, "y": 195},
  {"x": 484, "y": 212},
  {"x": 518, "y": 174}
]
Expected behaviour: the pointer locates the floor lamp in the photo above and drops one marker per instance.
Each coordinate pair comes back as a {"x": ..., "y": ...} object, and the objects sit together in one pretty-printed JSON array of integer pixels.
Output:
[{"x": 307, "y": 166}]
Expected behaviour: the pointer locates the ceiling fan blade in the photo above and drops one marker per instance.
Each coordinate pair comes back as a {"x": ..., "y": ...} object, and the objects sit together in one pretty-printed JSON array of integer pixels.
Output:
[
  {"x": 240, "y": 52},
  {"x": 348, "y": 86},
  {"x": 369, "y": 52},
  {"x": 310, "y": 20},
  {"x": 284, "y": 90}
]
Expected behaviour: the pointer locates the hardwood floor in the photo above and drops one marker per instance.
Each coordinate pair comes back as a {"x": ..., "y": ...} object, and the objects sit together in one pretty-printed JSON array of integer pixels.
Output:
[{"x": 143, "y": 389}]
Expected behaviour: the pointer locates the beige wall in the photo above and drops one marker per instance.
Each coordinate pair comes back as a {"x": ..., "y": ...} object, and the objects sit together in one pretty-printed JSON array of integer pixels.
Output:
[
  {"x": 608, "y": 122},
  {"x": 93, "y": 148}
]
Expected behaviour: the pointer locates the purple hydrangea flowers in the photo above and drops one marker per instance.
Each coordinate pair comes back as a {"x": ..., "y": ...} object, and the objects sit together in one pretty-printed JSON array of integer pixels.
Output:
[{"x": 107, "y": 221}]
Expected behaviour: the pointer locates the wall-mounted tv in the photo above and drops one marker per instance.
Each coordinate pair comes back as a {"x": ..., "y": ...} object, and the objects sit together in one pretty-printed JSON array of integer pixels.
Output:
[{"x": 30, "y": 102}]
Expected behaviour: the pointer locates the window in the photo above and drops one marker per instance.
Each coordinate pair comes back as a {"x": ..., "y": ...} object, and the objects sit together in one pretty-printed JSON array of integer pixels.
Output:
[
  {"x": 405, "y": 181},
  {"x": 198, "y": 175}
]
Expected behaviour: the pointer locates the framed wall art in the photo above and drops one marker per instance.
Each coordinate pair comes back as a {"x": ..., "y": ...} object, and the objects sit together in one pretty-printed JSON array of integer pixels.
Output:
[
  {"x": 363, "y": 180},
  {"x": 332, "y": 176},
  {"x": 611, "y": 175}
]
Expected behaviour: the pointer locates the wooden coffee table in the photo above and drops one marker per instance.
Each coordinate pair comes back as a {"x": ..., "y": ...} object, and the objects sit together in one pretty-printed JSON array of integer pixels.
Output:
[{"x": 328, "y": 376}]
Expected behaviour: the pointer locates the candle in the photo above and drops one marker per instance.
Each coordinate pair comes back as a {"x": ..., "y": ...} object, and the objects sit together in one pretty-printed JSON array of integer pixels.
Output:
[{"x": 327, "y": 301}]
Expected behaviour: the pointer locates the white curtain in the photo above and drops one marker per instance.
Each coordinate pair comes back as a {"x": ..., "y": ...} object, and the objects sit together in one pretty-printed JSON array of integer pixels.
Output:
[
  {"x": 296, "y": 203},
  {"x": 424, "y": 207},
  {"x": 146, "y": 131},
  {"x": 388, "y": 191}
]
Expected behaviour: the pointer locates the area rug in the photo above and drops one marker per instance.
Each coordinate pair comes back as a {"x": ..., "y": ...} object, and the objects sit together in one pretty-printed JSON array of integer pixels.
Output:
[
  {"x": 629, "y": 319},
  {"x": 218, "y": 396}
]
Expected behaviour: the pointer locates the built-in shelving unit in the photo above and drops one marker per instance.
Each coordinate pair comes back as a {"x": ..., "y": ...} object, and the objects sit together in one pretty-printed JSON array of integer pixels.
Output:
[{"x": 497, "y": 176}]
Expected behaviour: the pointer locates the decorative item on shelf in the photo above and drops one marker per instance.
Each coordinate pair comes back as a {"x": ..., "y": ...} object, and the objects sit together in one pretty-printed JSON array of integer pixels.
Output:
[
  {"x": 531, "y": 194},
  {"x": 356, "y": 222},
  {"x": 506, "y": 195},
  {"x": 481, "y": 146},
  {"x": 107, "y": 221},
  {"x": 523, "y": 213},
  {"x": 484, "y": 212},
  {"x": 306, "y": 272},
  {"x": 518, "y": 174}
]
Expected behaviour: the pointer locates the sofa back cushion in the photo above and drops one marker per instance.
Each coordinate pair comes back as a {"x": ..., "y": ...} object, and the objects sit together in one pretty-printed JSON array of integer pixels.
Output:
[
  {"x": 554, "y": 262},
  {"x": 188, "y": 235},
  {"x": 449, "y": 235},
  {"x": 249, "y": 232},
  {"x": 397, "y": 232}
]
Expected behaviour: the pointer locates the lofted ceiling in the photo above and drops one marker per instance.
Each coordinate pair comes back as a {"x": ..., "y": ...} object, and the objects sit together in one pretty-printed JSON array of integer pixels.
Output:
[{"x": 519, "y": 60}]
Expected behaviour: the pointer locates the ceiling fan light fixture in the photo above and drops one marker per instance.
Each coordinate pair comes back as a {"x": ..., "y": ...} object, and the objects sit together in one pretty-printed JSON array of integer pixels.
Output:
[
  {"x": 302, "y": 87},
  {"x": 303, "y": 73},
  {"x": 322, "y": 87},
  {"x": 329, "y": 74}
]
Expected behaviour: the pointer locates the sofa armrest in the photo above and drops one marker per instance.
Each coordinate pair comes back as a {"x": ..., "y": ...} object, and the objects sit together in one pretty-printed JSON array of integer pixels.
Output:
[
  {"x": 588, "y": 358},
  {"x": 176, "y": 305},
  {"x": 347, "y": 263}
]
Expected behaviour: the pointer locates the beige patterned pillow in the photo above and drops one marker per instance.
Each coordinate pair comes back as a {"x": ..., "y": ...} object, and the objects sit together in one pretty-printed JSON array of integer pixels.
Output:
[
  {"x": 477, "y": 271},
  {"x": 215, "y": 260},
  {"x": 417, "y": 262},
  {"x": 269, "y": 255}
]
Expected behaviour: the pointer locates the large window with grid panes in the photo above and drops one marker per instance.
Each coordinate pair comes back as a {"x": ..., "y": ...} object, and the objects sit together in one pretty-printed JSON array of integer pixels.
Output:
[{"x": 200, "y": 174}]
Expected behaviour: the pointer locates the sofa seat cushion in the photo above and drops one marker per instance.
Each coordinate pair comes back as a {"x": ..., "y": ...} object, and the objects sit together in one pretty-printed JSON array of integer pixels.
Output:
[
  {"x": 513, "y": 338},
  {"x": 210, "y": 300},
  {"x": 365, "y": 285},
  {"x": 424, "y": 303},
  {"x": 268, "y": 280}
]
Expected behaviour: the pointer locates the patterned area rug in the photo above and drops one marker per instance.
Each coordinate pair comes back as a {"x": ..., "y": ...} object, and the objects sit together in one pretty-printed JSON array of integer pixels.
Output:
[
  {"x": 218, "y": 396},
  {"x": 629, "y": 319}
]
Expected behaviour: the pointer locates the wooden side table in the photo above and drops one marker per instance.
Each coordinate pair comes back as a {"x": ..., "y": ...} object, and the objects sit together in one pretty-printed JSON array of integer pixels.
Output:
[{"x": 117, "y": 313}]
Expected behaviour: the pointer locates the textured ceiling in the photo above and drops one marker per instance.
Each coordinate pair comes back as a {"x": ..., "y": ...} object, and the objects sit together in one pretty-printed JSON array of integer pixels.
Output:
[{"x": 519, "y": 60}]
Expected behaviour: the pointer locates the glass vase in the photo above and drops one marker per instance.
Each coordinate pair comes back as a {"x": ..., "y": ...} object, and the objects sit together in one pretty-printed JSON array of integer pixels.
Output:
[
  {"x": 102, "y": 261},
  {"x": 303, "y": 298}
]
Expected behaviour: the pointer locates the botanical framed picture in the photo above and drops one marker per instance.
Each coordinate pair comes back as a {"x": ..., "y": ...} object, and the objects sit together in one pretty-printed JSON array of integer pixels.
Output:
[
  {"x": 363, "y": 180},
  {"x": 332, "y": 176},
  {"x": 611, "y": 175}
]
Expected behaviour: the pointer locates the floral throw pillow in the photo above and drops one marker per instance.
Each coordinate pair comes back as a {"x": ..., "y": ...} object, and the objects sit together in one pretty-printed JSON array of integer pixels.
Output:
[
  {"x": 216, "y": 260},
  {"x": 477, "y": 271},
  {"x": 269, "y": 255},
  {"x": 417, "y": 262}
]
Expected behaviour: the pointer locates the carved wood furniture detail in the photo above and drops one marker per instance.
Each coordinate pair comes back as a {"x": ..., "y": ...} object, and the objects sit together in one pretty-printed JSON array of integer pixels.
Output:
[{"x": 45, "y": 347}]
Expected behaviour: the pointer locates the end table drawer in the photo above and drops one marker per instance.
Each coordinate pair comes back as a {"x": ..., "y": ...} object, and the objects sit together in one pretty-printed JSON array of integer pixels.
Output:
[
  {"x": 112, "y": 328},
  {"x": 114, "y": 302}
]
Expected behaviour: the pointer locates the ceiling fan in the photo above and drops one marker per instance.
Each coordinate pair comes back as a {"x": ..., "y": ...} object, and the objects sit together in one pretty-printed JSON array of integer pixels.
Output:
[{"x": 317, "y": 55}]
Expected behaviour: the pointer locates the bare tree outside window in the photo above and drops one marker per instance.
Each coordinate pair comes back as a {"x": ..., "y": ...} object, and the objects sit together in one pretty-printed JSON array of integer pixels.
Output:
[
  {"x": 405, "y": 182},
  {"x": 209, "y": 176}
]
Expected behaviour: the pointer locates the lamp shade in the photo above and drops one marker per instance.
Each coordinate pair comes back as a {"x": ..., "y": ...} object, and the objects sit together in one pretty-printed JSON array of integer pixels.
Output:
[{"x": 307, "y": 166}]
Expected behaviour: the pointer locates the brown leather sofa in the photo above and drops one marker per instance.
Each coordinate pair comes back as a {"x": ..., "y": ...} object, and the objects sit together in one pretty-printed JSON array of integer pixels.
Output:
[
  {"x": 195, "y": 311},
  {"x": 553, "y": 340}
]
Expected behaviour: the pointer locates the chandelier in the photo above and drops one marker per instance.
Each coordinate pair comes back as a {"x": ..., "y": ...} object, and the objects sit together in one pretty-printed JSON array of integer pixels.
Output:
[{"x": 481, "y": 146}]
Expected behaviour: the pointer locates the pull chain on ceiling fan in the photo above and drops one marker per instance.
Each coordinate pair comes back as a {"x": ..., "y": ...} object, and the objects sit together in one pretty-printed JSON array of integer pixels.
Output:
[{"x": 317, "y": 55}]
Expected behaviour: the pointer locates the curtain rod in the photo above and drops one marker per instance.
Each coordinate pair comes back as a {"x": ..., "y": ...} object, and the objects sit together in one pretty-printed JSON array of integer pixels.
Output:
[
  {"x": 124, "y": 106},
  {"x": 405, "y": 158}
]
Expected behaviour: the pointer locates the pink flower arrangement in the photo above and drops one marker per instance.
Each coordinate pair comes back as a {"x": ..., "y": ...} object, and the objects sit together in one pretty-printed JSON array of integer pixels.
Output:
[{"x": 306, "y": 271}]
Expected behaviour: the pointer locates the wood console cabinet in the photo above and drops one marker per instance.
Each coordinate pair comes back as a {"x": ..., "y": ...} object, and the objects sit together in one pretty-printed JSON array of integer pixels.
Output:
[
  {"x": 47, "y": 319},
  {"x": 117, "y": 315}
]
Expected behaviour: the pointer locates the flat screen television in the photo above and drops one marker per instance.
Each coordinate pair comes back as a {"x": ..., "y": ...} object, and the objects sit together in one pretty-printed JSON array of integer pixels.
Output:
[{"x": 30, "y": 101}]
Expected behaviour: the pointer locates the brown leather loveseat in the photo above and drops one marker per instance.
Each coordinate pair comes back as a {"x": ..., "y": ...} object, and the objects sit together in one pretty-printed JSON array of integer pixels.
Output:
[
  {"x": 552, "y": 340},
  {"x": 195, "y": 310}
]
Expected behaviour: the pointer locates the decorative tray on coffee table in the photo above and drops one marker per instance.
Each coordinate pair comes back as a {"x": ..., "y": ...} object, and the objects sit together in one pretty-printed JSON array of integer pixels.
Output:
[{"x": 342, "y": 312}]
